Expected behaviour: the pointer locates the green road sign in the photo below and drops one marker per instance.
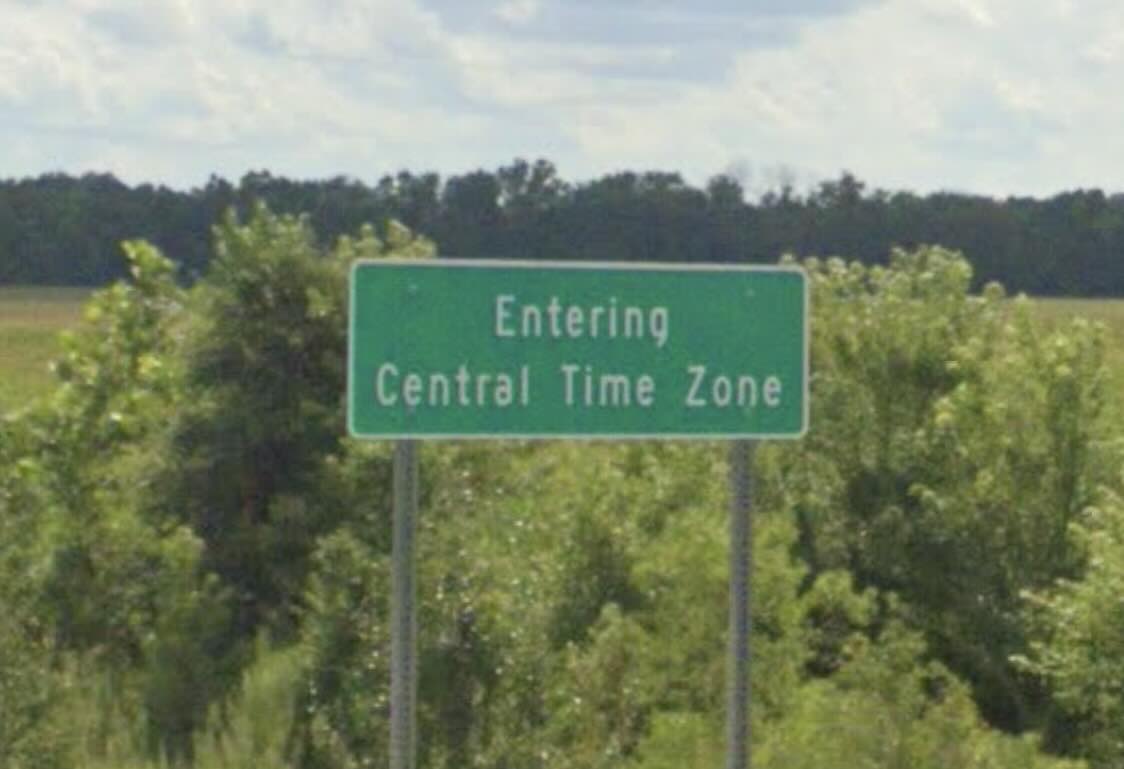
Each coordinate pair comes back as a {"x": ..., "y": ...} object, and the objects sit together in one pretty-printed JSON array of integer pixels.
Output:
[{"x": 474, "y": 349}]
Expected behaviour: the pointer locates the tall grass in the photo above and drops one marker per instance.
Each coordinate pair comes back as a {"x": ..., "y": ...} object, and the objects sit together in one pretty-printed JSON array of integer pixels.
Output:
[
  {"x": 249, "y": 731},
  {"x": 253, "y": 731}
]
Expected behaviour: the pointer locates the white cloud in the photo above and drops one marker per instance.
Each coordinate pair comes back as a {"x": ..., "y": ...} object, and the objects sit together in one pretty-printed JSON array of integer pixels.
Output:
[
  {"x": 518, "y": 12},
  {"x": 551, "y": 77},
  {"x": 1003, "y": 103},
  {"x": 250, "y": 84},
  {"x": 991, "y": 95},
  {"x": 974, "y": 13},
  {"x": 1107, "y": 47}
]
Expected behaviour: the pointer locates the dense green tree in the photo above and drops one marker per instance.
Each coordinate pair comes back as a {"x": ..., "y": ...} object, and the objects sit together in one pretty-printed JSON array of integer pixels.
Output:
[
  {"x": 65, "y": 230},
  {"x": 111, "y": 593},
  {"x": 263, "y": 378},
  {"x": 954, "y": 442},
  {"x": 1077, "y": 629},
  {"x": 31, "y": 731}
]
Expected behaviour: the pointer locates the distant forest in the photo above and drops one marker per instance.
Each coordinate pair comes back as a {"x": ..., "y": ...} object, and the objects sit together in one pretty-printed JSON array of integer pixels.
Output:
[{"x": 59, "y": 229}]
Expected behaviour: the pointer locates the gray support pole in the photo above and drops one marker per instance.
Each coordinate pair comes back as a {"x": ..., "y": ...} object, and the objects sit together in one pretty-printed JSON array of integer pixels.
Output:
[
  {"x": 741, "y": 564},
  {"x": 403, "y": 614}
]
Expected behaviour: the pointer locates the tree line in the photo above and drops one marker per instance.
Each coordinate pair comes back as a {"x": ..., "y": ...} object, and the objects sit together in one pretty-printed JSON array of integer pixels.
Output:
[{"x": 59, "y": 229}]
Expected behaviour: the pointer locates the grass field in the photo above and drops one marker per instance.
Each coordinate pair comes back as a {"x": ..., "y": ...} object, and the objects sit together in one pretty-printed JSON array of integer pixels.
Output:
[
  {"x": 1110, "y": 312},
  {"x": 1107, "y": 311},
  {"x": 32, "y": 317},
  {"x": 30, "y": 321}
]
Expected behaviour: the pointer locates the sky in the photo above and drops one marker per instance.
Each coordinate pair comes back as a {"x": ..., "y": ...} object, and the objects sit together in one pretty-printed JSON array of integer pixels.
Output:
[{"x": 995, "y": 97}]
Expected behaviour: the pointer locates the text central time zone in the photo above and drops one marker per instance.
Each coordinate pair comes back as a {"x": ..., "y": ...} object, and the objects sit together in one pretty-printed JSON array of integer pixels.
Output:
[{"x": 582, "y": 386}]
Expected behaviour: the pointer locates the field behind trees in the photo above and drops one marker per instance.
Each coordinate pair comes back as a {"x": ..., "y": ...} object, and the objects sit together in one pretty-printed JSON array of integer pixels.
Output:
[
  {"x": 33, "y": 317},
  {"x": 194, "y": 559}
]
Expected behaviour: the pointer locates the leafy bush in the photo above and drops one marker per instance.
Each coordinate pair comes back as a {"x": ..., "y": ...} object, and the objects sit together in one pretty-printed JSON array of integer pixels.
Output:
[
  {"x": 1078, "y": 642},
  {"x": 189, "y": 488},
  {"x": 953, "y": 443}
]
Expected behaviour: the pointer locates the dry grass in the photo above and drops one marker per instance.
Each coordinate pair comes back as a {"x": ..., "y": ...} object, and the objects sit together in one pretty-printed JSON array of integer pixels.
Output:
[
  {"x": 31, "y": 318},
  {"x": 1110, "y": 312},
  {"x": 30, "y": 321}
]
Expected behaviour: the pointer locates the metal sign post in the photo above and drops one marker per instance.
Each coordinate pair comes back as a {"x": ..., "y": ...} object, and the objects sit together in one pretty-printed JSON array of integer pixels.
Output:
[
  {"x": 403, "y": 615},
  {"x": 741, "y": 565}
]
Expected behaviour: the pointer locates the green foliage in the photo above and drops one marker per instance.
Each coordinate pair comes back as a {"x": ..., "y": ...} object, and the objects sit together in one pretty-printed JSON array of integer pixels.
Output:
[
  {"x": 249, "y": 729},
  {"x": 887, "y": 708},
  {"x": 187, "y": 655},
  {"x": 32, "y": 735},
  {"x": 117, "y": 370},
  {"x": 29, "y": 732},
  {"x": 263, "y": 361},
  {"x": 600, "y": 699},
  {"x": 95, "y": 576},
  {"x": 953, "y": 444},
  {"x": 253, "y": 729},
  {"x": 1079, "y": 641},
  {"x": 636, "y": 680},
  {"x": 118, "y": 585},
  {"x": 344, "y": 702},
  {"x": 188, "y": 491},
  {"x": 682, "y": 741}
]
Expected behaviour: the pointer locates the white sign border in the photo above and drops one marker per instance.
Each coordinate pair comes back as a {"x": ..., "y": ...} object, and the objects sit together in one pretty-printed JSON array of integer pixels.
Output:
[{"x": 454, "y": 262}]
